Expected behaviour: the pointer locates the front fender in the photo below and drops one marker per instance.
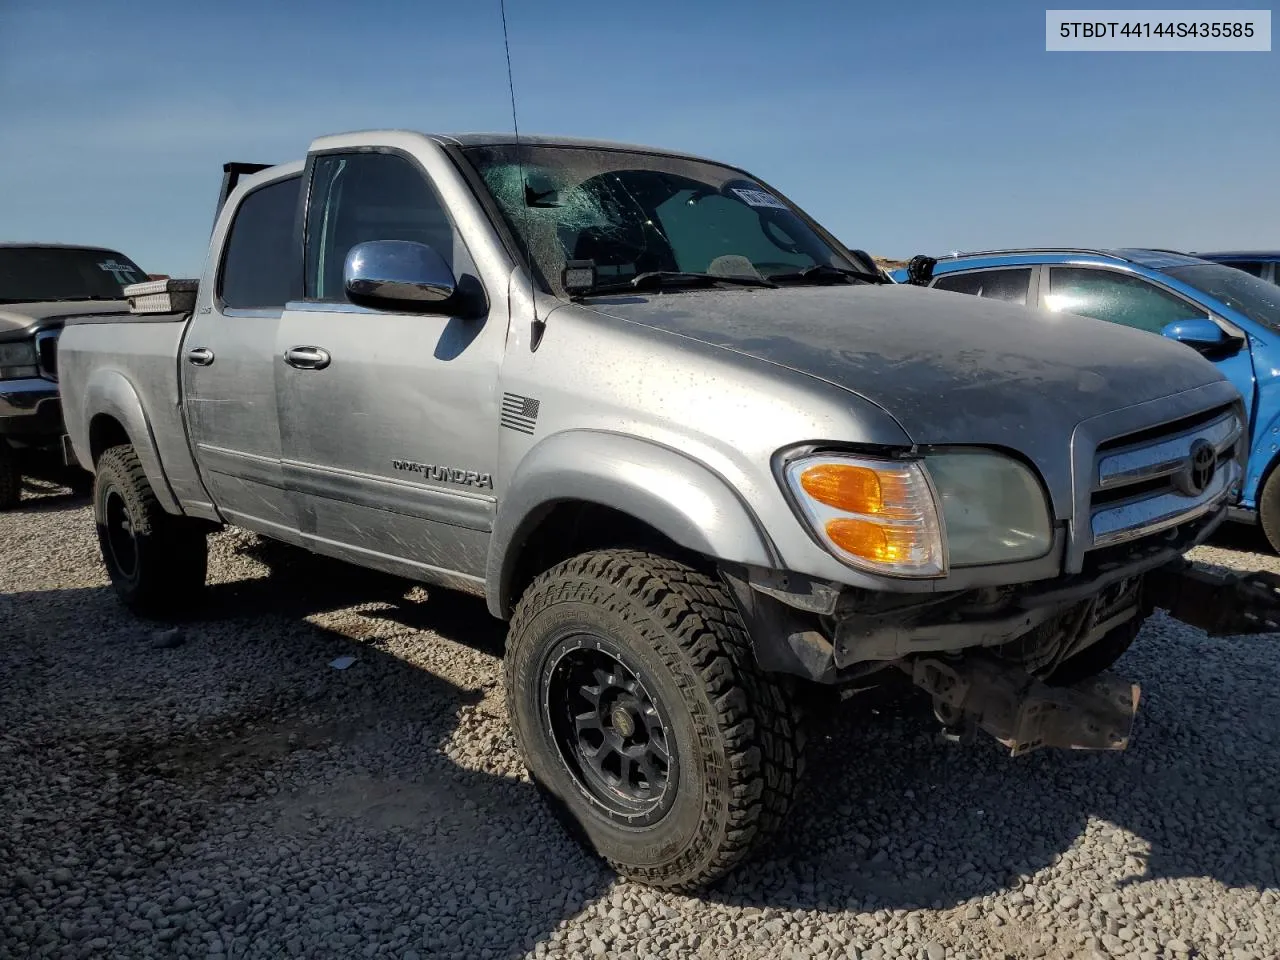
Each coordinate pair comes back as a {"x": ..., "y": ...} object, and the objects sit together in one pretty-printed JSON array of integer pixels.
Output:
[
  {"x": 677, "y": 496},
  {"x": 109, "y": 393}
]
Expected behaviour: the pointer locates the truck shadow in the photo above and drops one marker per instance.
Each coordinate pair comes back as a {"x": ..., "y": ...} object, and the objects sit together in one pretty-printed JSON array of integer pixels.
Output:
[{"x": 888, "y": 819}]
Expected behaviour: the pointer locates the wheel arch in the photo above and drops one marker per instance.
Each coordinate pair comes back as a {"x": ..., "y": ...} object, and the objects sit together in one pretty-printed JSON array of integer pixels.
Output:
[
  {"x": 585, "y": 490},
  {"x": 119, "y": 417}
]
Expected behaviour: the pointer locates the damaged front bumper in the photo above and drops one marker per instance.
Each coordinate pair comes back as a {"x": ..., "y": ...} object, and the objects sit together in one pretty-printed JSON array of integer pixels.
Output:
[
  {"x": 986, "y": 656},
  {"x": 980, "y": 691}
]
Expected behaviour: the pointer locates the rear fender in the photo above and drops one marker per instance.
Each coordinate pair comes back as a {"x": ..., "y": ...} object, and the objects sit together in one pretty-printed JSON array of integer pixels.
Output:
[{"x": 109, "y": 393}]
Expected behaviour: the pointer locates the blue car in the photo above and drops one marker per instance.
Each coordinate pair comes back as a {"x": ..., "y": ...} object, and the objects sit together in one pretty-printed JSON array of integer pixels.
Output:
[
  {"x": 1263, "y": 264},
  {"x": 1228, "y": 315}
]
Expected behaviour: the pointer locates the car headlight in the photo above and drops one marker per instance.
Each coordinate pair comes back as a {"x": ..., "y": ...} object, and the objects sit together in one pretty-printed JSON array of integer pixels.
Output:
[
  {"x": 18, "y": 359},
  {"x": 993, "y": 507},
  {"x": 917, "y": 518}
]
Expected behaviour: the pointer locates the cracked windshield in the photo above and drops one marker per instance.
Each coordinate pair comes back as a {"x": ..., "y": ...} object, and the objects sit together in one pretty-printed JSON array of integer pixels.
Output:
[{"x": 632, "y": 214}]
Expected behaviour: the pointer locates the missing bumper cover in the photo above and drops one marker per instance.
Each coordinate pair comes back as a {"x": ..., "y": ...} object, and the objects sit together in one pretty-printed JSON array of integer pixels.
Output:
[{"x": 1025, "y": 714}]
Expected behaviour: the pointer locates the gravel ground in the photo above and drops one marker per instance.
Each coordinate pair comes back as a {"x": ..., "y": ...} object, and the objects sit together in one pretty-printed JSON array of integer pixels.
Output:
[{"x": 223, "y": 791}]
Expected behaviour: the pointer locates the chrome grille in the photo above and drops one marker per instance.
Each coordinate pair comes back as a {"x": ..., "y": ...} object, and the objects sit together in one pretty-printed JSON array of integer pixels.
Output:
[{"x": 1149, "y": 482}]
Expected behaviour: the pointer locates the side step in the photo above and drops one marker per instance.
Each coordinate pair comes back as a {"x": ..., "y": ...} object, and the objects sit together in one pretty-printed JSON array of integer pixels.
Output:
[{"x": 1023, "y": 713}]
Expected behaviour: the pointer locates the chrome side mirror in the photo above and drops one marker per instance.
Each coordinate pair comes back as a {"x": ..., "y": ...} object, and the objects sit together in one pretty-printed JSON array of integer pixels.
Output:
[{"x": 398, "y": 274}]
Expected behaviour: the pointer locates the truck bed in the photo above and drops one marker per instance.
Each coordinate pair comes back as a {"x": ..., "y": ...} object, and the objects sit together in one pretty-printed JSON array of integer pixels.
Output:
[{"x": 128, "y": 364}]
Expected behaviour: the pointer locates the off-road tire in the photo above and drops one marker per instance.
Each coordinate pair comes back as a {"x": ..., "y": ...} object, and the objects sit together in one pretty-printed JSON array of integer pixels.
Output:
[
  {"x": 736, "y": 730},
  {"x": 171, "y": 553},
  {"x": 10, "y": 476},
  {"x": 1091, "y": 661},
  {"x": 1269, "y": 509}
]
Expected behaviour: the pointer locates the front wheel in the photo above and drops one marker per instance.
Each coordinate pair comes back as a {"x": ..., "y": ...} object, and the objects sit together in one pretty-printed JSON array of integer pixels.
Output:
[
  {"x": 1269, "y": 510},
  {"x": 644, "y": 720},
  {"x": 156, "y": 561},
  {"x": 10, "y": 476}
]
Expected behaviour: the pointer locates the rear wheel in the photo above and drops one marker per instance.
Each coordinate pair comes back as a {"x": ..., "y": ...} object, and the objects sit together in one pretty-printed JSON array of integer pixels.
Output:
[
  {"x": 10, "y": 476},
  {"x": 644, "y": 720},
  {"x": 156, "y": 561}
]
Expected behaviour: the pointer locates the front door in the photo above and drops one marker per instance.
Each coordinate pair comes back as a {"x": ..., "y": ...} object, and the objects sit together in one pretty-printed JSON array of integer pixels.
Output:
[
  {"x": 1135, "y": 301},
  {"x": 228, "y": 361},
  {"x": 388, "y": 419}
]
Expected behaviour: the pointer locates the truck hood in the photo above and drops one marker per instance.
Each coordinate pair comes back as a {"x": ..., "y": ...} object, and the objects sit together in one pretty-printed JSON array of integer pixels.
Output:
[
  {"x": 47, "y": 313},
  {"x": 949, "y": 367}
]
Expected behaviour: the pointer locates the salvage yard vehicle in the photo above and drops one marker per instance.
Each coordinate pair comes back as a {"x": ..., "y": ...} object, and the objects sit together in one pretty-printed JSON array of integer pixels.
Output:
[
  {"x": 41, "y": 285},
  {"x": 1230, "y": 317},
  {"x": 1263, "y": 264},
  {"x": 694, "y": 452}
]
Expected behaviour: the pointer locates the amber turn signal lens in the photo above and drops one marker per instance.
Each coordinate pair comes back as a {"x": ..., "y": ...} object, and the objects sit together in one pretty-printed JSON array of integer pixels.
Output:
[
  {"x": 876, "y": 542},
  {"x": 856, "y": 489}
]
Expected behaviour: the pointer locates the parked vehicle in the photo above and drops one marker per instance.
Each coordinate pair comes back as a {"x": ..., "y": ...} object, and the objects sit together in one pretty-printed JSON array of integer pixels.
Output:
[
  {"x": 1230, "y": 317},
  {"x": 698, "y": 456},
  {"x": 41, "y": 285},
  {"x": 1263, "y": 264}
]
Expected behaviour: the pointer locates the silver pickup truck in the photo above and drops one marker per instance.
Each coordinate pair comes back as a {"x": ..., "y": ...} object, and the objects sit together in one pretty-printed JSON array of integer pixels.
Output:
[{"x": 696, "y": 452}]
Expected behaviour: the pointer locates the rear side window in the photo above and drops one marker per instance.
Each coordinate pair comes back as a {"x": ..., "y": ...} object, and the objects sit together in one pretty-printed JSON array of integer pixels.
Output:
[
  {"x": 1248, "y": 266},
  {"x": 1117, "y": 298},
  {"x": 260, "y": 262},
  {"x": 1008, "y": 285}
]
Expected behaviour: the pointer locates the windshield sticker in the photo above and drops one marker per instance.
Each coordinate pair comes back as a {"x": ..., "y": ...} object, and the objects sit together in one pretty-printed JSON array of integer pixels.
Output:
[
  {"x": 759, "y": 198},
  {"x": 122, "y": 273}
]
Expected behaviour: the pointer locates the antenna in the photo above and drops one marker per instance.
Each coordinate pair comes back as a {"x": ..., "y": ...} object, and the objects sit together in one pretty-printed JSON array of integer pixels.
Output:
[{"x": 538, "y": 326}]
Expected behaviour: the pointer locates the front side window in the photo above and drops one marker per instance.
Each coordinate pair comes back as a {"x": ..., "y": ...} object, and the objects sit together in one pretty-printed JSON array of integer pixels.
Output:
[
  {"x": 1256, "y": 299},
  {"x": 1008, "y": 285},
  {"x": 631, "y": 213},
  {"x": 260, "y": 259},
  {"x": 36, "y": 274},
  {"x": 1117, "y": 298},
  {"x": 368, "y": 196}
]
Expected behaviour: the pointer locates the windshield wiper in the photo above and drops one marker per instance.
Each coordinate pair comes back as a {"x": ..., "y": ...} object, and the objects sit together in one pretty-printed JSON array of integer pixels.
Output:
[
  {"x": 656, "y": 279},
  {"x": 825, "y": 272}
]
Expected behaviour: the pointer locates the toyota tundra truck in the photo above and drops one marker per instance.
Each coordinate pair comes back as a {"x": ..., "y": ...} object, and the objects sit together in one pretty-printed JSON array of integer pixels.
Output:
[{"x": 698, "y": 454}]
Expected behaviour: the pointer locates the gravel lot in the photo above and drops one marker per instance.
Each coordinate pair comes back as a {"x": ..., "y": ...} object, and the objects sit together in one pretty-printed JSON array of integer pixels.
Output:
[{"x": 225, "y": 792}]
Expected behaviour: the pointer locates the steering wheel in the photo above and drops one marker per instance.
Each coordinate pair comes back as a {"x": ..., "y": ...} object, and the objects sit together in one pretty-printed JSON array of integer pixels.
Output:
[{"x": 778, "y": 239}]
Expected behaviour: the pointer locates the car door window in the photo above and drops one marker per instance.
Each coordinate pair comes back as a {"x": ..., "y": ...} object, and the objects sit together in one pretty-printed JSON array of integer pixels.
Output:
[
  {"x": 1248, "y": 266},
  {"x": 367, "y": 196},
  {"x": 1116, "y": 297},
  {"x": 1008, "y": 285},
  {"x": 259, "y": 260}
]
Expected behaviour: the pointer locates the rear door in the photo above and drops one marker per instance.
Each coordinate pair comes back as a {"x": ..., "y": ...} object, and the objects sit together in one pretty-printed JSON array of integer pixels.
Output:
[
  {"x": 1135, "y": 301},
  {"x": 228, "y": 361},
  {"x": 391, "y": 438},
  {"x": 1010, "y": 284}
]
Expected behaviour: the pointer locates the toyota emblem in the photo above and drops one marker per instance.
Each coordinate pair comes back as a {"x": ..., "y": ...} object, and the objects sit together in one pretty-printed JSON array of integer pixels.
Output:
[{"x": 1196, "y": 476}]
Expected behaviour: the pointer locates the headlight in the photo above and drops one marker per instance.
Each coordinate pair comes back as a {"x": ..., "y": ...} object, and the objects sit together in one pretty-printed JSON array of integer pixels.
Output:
[
  {"x": 915, "y": 518},
  {"x": 993, "y": 508},
  {"x": 18, "y": 359},
  {"x": 878, "y": 515}
]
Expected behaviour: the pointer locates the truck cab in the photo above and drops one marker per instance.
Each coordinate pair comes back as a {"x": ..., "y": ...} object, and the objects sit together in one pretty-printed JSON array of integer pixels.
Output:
[{"x": 699, "y": 456}]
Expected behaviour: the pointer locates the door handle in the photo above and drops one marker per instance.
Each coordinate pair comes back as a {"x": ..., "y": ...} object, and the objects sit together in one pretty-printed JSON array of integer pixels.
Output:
[
  {"x": 307, "y": 358},
  {"x": 200, "y": 356}
]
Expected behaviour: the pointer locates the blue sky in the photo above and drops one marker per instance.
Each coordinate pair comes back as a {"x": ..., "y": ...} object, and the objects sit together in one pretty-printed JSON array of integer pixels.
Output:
[{"x": 905, "y": 128}]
